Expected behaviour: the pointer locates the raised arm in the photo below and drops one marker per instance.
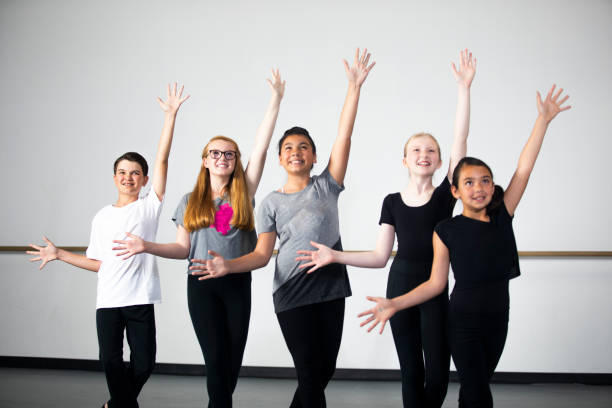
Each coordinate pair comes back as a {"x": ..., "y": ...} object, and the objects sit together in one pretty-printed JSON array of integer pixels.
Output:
[
  {"x": 136, "y": 245},
  {"x": 219, "y": 266},
  {"x": 547, "y": 110},
  {"x": 386, "y": 308},
  {"x": 464, "y": 76},
  {"x": 50, "y": 253},
  {"x": 257, "y": 160},
  {"x": 324, "y": 255},
  {"x": 170, "y": 107},
  {"x": 356, "y": 74}
]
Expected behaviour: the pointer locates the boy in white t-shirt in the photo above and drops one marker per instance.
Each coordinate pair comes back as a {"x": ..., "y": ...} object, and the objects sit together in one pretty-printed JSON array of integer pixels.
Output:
[{"x": 127, "y": 288}]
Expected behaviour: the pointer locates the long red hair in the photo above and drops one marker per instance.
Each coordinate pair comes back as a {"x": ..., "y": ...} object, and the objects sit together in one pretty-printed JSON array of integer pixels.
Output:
[{"x": 200, "y": 211}]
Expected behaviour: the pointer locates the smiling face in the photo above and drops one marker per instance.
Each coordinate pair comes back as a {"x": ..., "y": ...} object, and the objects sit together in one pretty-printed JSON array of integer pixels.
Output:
[
  {"x": 422, "y": 156},
  {"x": 220, "y": 166},
  {"x": 474, "y": 188},
  {"x": 129, "y": 178},
  {"x": 296, "y": 155}
]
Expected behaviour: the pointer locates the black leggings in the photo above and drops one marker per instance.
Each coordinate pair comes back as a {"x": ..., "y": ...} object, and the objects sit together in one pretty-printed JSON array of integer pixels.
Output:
[
  {"x": 125, "y": 382},
  {"x": 220, "y": 310},
  {"x": 313, "y": 334},
  {"x": 420, "y": 337},
  {"x": 478, "y": 325}
]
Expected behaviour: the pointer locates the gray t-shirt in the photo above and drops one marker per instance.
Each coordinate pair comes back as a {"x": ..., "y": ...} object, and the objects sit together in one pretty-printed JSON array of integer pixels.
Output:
[
  {"x": 231, "y": 243},
  {"x": 297, "y": 219}
]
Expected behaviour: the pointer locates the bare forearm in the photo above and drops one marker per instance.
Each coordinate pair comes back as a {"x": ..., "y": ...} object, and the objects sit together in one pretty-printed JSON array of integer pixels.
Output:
[
  {"x": 422, "y": 293},
  {"x": 461, "y": 127},
  {"x": 370, "y": 259},
  {"x": 80, "y": 261},
  {"x": 266, "y": 127},
  {"x": 251, "y": 261},
  {"x": 172, "y": 250},
  {"x": 349, "y": 111},
  {"x": 163, "y": 152},
  {"x": 532, "y": 148}
]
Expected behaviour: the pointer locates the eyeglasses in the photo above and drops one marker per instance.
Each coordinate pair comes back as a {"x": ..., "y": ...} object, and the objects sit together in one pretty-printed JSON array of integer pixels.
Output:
[{"x": 216, "y": 154}]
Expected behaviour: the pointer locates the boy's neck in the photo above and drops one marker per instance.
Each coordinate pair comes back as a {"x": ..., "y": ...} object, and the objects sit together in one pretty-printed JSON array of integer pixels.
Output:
[
  {"x": 125, "y": 199},
  {"x": 296, "y": 182}
]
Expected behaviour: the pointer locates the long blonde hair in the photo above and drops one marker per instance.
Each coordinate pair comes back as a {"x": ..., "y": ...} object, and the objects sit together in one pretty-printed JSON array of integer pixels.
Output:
[{"x": 200, "y": 211}]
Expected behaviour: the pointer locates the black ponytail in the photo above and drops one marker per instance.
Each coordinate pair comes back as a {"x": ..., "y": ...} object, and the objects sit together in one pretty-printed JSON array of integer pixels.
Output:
[{"x": 498, "y": 192}]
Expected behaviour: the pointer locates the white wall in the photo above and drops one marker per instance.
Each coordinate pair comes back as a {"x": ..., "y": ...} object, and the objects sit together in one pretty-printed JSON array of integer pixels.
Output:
[{"x": 79, "y": 83}]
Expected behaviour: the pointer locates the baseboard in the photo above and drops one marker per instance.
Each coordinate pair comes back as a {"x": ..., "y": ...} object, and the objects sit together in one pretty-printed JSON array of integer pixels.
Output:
[{"x": 289, "y": 372}]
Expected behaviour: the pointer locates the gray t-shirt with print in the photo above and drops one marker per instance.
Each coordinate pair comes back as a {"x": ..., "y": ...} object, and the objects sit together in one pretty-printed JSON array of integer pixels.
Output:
[
  {"x": 231, "y": 243},
  {"x": 297, "y": 219}
]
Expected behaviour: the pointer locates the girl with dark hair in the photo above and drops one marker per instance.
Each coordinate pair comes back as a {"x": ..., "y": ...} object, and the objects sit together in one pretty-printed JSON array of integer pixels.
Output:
[
  {"x": 309, "y": 308},
  {"x": 480, "y": 246},
  {"x": 218, "y": 214},
  {"x": 419, "y": 333}
]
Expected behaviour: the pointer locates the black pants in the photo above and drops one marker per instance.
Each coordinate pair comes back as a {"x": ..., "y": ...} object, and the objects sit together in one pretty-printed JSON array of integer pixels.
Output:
[
  {"x": 220, "y": 310},
  {"x": 313, "y": 334},
  {"x": 420, "y": 337},
  {"x": 126, "y": 381},
  {"x": 478, "y": 325}
]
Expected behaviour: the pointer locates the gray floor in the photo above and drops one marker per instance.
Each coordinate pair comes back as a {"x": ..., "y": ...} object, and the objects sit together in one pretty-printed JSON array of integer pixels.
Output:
[{"x": 62, "y": 388}]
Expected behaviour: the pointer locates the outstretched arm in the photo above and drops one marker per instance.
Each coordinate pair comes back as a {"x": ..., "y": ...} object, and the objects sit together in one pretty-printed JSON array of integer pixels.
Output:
[
  {"x": 386, "y": 308},
  {"x": 464, "y": 76},
  {"x": 547, "y": 110},
  {"x": 356, "y": 74},
  {"x": 324, "y": 255},
  {"x": 136, "y": 245},
  {"x": 219, "y": 266},
  {"x": 170, "y": 107},
  {"x": 257, "y": 160},
  {"x": 51, "y": 253}
]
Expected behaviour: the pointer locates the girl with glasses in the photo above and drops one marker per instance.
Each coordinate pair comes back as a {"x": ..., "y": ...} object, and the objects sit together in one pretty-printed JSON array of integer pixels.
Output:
[
  {"x": 218, "y": 214},
  {"x": 480, "y": 246},
  {"x": 419, "y": 333},
  {"x": 309, "y": 308}
]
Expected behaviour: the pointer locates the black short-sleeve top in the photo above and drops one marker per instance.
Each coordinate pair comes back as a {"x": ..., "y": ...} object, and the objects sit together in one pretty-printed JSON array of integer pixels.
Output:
[
  {"x": 414, "y": 226},
  {"x": 481, "y": 253}
]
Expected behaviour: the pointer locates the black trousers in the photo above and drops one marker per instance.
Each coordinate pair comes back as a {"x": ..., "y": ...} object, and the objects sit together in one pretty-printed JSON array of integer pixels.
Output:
[
  {"x": 313, "y": 334},
  {"x": 478, "y": 325},
  {"x": 420, "y": 336},
  {"x": 220, "y": 311},
  {"x": 126, "y": 381}
]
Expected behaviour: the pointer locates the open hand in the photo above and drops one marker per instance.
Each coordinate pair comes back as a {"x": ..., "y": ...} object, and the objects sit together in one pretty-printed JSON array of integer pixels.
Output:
[
  {"x": 380, "y": 313},
  {"x": 321, "y": 257},
  {"x": 358, "y": 72},
  {"x": 210, "y": 268},
  {"x": 44, "y": 254},
  {"x": 129, "y": 247},
  {"x": 552, "y": 105},
  {"x": 277, "y": 85},
  {"x": 467, "y": 68},
  {"x": 173, "y": 100}
]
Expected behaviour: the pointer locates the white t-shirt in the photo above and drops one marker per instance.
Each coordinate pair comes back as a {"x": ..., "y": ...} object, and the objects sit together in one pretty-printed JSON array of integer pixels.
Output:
[{"x": 134, "y": 281}]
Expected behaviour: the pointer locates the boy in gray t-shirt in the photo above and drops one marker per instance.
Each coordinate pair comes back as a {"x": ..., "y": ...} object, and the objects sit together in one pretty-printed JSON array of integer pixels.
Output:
[{"x": 297, "y": 219}]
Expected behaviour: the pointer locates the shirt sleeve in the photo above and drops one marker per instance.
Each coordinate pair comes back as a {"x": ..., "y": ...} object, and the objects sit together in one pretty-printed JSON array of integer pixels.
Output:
[
  {"x": 179, "y": 213},
  {"x": 153, "y": 204},
  {"x": 329, "y": 183},
  {"x": 445, "y": 197},
  {"x": 442, "y": 230},
  {"x": 266, "y": 217},
  {"x": 94, "y": 251},
  {"x": 386, "y": 212}
]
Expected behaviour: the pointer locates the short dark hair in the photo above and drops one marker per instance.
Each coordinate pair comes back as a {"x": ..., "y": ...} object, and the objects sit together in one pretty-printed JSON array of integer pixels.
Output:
[
  {"x": 296, "y": 130},
  {"x": 133, "y": 157},
  {"x": 498, "y": 192}
]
